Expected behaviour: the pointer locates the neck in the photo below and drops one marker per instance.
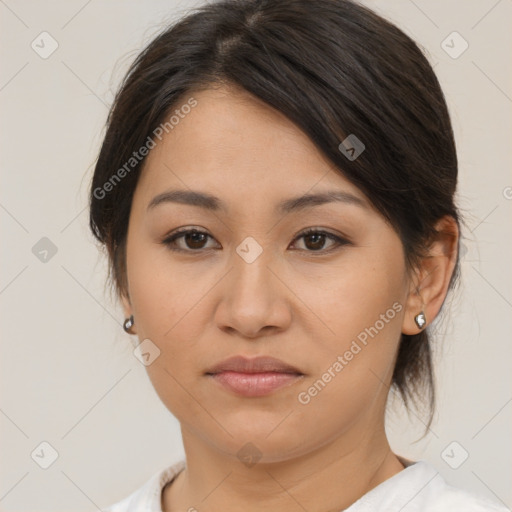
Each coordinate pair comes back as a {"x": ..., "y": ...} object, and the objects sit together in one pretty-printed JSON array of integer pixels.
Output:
[{"x": 330, "y": 478}]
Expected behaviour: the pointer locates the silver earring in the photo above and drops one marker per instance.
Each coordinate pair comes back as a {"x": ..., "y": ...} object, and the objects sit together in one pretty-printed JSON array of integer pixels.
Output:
[
  {"x": 128, "y": 324},
  {"x": 420, "y": 320}
]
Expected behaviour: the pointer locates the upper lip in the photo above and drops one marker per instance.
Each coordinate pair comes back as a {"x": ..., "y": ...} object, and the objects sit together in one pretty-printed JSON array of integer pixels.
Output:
[{"x": 259, "y": 364}]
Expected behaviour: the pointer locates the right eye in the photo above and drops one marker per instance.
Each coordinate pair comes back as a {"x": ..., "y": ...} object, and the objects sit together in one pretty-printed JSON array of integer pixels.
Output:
[{"x": 193, "y": 238}]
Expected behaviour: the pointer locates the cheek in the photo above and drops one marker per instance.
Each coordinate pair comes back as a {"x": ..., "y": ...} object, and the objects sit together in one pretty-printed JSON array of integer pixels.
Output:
[
  {"x": 353, "y": 366},
  {"x": 341, "y": 301},
  {"x": 162, "y": 291},
  {"x": 363, "y": 307},
  {"x": 166, "y": 302},
  {"x": 336, "y": 310},
  {"x": 170, "y": 306},
  {"x": 366, "y": 287}
]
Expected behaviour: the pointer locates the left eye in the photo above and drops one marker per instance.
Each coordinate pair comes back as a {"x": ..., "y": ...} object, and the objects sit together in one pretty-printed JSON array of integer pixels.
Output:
[
  {"x": 317, "y": 239},
  {"x": 195, "y": 240}
]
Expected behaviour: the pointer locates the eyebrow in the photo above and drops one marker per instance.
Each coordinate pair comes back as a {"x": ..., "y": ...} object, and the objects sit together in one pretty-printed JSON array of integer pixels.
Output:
[{"x": 213, "y": 203}]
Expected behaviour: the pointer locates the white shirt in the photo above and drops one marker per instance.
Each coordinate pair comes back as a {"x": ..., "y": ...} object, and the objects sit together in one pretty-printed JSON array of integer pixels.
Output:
[{"x": 417, "y": 488}]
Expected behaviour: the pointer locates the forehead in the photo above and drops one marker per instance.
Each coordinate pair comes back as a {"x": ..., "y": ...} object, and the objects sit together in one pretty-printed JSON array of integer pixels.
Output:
[{"x": 235, "y": 145}]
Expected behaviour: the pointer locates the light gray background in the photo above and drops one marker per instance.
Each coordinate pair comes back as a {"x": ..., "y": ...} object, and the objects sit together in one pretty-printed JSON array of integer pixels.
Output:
[{"x": 68, "y": 374}]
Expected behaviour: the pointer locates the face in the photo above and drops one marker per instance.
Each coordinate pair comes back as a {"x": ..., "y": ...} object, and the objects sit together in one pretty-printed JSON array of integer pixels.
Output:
[{"x": 252, "y": 282}]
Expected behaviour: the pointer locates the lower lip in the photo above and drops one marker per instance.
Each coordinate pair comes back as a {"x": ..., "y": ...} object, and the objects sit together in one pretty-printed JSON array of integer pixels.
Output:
[{"x": 255, "y": 384}]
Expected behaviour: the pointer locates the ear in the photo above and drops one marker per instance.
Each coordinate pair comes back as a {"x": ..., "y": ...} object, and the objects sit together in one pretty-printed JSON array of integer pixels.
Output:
[
  {"x": 429, "y": 284},
  {"x": 127, "y": 308}
]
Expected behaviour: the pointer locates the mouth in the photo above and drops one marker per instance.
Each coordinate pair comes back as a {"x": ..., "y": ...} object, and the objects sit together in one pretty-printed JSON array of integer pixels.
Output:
[{"x": 254, "y": 377}]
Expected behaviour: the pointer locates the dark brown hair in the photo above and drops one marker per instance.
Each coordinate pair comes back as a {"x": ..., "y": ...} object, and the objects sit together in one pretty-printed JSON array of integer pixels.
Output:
[{"x": 334, "y": 68}]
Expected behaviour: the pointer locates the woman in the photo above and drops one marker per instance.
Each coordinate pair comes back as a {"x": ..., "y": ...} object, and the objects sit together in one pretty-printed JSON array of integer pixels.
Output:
[{"x": 275, "y": 191}]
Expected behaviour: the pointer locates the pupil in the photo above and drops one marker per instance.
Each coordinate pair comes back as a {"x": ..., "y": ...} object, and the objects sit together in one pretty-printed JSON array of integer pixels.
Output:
[
  {"x": 194, "y": 236},
  {"x": 319, "y": 237}
]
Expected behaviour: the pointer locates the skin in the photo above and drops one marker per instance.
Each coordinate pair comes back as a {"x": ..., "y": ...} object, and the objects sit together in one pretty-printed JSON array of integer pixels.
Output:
[{"x": 301, "y": 301}]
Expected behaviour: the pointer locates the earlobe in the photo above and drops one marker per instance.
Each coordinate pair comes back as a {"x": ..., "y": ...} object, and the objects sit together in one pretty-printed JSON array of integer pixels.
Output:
[
  {"x": 421, "y": 320},
  {"x": 128, "y": 325},
  {"x": 415, "y": 320},
  {"x": 129, "y": 321},
  {"x": 432, "y": 278}
]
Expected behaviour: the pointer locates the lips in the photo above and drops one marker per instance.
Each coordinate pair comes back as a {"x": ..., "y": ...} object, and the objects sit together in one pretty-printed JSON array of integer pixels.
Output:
[
  {"x": 255, "y": 377},
  {"x": 261, "y": 364}
]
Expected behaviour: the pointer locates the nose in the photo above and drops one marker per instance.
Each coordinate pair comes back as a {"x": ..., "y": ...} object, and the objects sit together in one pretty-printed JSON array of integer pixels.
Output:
[{"x": 254, "y": 300}]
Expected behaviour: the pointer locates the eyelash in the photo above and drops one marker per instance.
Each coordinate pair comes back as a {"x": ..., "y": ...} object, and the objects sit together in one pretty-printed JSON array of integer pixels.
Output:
[{"x": 170, "y": 240}]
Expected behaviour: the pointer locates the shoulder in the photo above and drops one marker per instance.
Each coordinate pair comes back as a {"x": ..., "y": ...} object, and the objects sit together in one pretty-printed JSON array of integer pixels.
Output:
[
  {"x": 421, "y": 488},
  {"x": 148, "y": 496},
  {"x": 433, "y": 493},
  {"x": 453, "y": 499},
  {"x": 456, "y": 500}
]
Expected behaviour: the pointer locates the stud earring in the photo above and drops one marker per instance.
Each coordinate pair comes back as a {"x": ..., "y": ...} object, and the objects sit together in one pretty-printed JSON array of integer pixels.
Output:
[
  {"x": 420, "y": 320},
  {"x": 128, "y": 324}
]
